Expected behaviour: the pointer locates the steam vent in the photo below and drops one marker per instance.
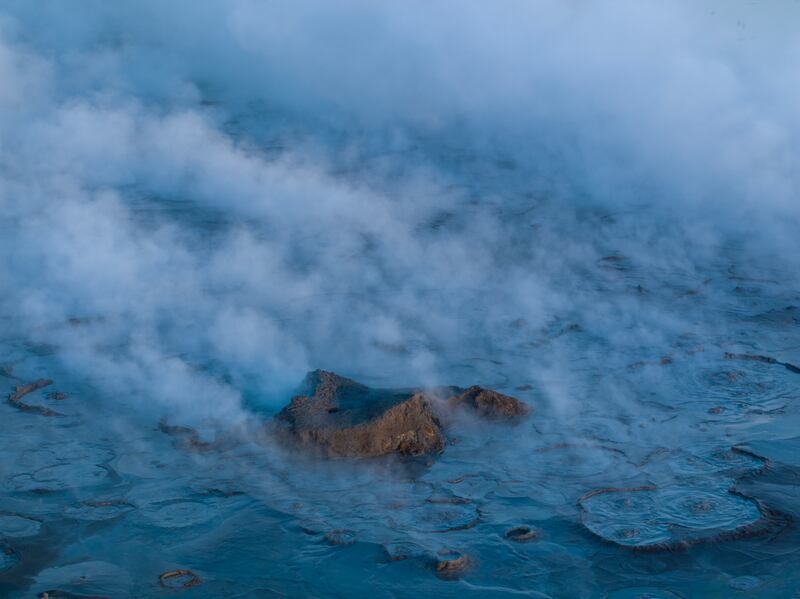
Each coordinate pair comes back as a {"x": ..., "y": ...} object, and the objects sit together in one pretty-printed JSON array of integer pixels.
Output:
[{"x": 344, "y": 418}]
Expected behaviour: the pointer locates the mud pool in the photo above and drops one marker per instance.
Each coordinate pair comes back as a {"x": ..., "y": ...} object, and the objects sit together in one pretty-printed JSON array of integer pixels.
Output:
[
  {"x": 588, "y": 206},
  {"x": 689, "y": 490}
]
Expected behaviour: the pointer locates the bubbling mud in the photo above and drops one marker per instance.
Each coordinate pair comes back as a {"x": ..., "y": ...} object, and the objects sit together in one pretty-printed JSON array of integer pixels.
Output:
[
  {"x": 99, "y": 509},
  {"x": 650, "y": 518},
  {"x": 14, "y": 526}
]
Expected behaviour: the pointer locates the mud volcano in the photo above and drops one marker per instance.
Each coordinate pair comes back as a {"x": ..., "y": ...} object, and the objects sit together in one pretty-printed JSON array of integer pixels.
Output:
[{"x": 341, "y": 417}]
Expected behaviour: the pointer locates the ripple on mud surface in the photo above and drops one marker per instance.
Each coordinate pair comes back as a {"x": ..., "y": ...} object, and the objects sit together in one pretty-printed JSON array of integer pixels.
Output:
[
  {"x": 733, "y": 411},
  {"x": 579, "y": 460},
  {"x": 751, "y": 383},
  {"x": 15, "y": 526},
  {"x": 677, "y": 463},
  {"x": 662, "y": 518},
  {"x": 734, "y": 459},
  {"x": 435, "y": 517},
  {"x": 85, "y": 578},
  {"x": 58, "y": 478},
  {"x": 96, "y": 510},
  {"x": 178, "y": 513},
  {"x": 66, "y": 476},
  {"x": 71, "y": 475},
  {"x": 472, "y": 485}
]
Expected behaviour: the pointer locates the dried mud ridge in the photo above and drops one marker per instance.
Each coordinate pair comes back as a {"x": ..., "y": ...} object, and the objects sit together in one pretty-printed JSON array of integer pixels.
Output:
[
  {"x": 342, "y": 418},
  {"x": 189, "y": 439},
  {"x": 763, "y": 359},
  {"x": 15, "y": 398}
]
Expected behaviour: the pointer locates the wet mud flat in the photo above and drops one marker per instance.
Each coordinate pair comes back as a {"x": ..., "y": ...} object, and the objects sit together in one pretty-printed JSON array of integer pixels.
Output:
[
  {"x": 563, "y": 461},
  {"x": 489, "y": 497}
]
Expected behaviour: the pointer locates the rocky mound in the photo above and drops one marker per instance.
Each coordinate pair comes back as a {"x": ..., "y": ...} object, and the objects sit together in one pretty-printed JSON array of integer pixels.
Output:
[
  {"x": 490, "y": 404},
  {"x": 344, "y": 418}
]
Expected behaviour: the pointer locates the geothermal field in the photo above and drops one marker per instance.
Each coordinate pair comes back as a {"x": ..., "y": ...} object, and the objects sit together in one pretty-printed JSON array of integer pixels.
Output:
[{"x": 399, "y": 299}]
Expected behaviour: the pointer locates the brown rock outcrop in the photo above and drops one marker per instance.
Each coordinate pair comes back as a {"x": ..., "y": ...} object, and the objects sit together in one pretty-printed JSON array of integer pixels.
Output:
[
  {"x": 22, "y": 390},
  {"x": 15, "y": 398},
  {"x": 344, "y": 418},
  {"x": 347, "y": 419},
  {"x": 490, "y": 404}
]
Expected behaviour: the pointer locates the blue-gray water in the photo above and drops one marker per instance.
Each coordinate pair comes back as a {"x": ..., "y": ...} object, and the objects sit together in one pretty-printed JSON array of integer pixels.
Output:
[{"x": 595, "y": 211}]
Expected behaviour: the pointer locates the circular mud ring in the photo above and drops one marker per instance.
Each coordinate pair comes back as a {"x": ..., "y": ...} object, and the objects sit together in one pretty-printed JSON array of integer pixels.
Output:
[
  {"x": 453, "y": 565},
  {"x": 745, "y": 583},
  {"x": 751, "y": 386},
  {"x": 581, "y": 460},
  {"x": 470, "y": 486},
  {"x": 16, "y": 526},
  {"x": 178, "y": 513},
  {"x": 666, "y": 519},
  {"x": 521, "y": 534},
  {"x": 677, "y": 464},
  {"x": 98, "y": 510},
  {"x": 179, "y": 579},
  {"x": 58, "y": 477},
  {"x": 436, "y": 517}
]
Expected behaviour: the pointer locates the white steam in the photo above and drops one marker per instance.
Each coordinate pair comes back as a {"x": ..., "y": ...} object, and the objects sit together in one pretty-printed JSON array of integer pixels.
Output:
[{"x": 232, "y": 193}]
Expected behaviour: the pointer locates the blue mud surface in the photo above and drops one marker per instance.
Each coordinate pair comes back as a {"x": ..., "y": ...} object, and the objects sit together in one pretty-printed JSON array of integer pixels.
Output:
[{"x": 676, "y": 477}]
